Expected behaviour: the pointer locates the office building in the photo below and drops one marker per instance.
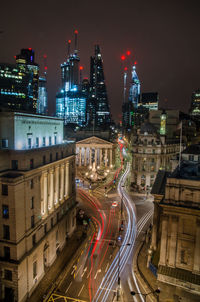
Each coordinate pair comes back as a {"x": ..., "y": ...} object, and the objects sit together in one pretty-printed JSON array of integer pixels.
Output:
[
  {"x": 149, "y": 100},
  {"x": 134, "y": 91},
  {"x": 27, "y": 58},
  {"x": 42, "y": 103},
  {"x": 195, "y": 104},
  {"x": 37, "y": 189},
  {"x": 98, "y": 93}
]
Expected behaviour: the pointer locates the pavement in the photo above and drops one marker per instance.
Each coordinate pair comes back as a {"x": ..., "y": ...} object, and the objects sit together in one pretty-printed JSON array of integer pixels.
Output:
[{"x": 51, "y": 277}]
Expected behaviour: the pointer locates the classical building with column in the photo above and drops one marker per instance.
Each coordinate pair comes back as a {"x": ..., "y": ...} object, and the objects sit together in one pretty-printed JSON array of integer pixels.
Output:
[
  {"x": 37, "y": 200},
  {"x": 95, "y": 150},
  {"x": 175, "y": 243}
]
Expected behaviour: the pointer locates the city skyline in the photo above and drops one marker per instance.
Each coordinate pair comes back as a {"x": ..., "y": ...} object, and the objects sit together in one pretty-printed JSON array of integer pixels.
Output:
[{"x": 163, "y": 38}]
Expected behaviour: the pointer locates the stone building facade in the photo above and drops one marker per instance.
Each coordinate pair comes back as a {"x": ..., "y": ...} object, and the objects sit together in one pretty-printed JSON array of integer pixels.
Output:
[
  {"x": 176, "y": 234},
  {"x": 95, "y": 150},
  {"x": 38, "y": 212},
  {"x": 151, "y": 152}
]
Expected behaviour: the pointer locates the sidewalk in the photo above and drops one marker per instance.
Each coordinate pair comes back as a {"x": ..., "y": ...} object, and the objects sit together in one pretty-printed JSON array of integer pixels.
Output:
[{"x": 48, "y": 283}]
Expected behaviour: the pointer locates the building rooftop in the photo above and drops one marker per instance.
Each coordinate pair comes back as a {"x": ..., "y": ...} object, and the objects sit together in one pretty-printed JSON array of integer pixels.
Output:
[
  {"x": 193, "y": 149},
  {"x": 160, "y": 182},
  {"x": 148, "y": 128},
  {"x": 188, "y": 170}
]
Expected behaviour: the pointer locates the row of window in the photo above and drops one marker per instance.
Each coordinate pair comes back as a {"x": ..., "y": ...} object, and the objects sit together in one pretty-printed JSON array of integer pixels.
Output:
[{"x": 37, "y": 142}]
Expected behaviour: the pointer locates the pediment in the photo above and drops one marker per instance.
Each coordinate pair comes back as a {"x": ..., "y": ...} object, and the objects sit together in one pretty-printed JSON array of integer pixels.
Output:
[{"x": 93, "y": 140}]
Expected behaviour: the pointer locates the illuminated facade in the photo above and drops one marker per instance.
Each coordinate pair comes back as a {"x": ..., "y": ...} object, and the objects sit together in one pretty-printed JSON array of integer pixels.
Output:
[
  {"x": 195, "y": 104},
  {"x": 27, "y": 58},
  {"x": 38, "y": 204},
  {"x": 149, "y": 100},
  {"x": 134, "y": 91},
  {"x": 42, "y": 104},
  {"x": 98, "y": 92},
  {"x": 16, "y": 88},
  {"x": 71, "y": 101}
]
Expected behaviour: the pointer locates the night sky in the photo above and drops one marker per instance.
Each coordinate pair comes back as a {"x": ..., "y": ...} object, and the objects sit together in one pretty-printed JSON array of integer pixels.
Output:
[{"x": 163, "y": 36}]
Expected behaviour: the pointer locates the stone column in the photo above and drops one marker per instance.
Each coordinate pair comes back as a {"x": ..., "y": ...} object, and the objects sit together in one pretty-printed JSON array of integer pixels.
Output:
[
  {"x": 100, "y": 156},
  {"x": 90, "y": 156},
  {"x": 106, "y": 157},
  {"x": 95, "y": 157},
  {"x": 163, "y": 246},
  {"x": 51, "y": 189},
  {"x": 80, "y": 163},
  {"x": 173, "y": 241},
  {"x": 196, "y": 265},
  {"x": 85, "y": 157},
  {"x": 56, "y": 187},
  {"x": 46, "y": 193},
  {"x": 67, "y": 179},
  {"x": 42, "y": 194},
  {"x": 61, "y": 182},
  {"x": 110, "y": 157}
]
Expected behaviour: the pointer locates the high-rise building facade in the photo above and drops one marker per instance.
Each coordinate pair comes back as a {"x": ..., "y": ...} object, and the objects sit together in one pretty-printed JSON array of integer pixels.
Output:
[
  {"x": 134, "y": 92},
  {"x": 37, "y": 200},
  {"x": 98, "y": 93},
  {"x": 195, "y": 104},
  {"x": 27, "y": 58},
  {"x": 149, "y": 100},
  {"x": 42, "y": 96},
  {"x": 71, "y": 101},
  {"x": 16, "y": 88}
]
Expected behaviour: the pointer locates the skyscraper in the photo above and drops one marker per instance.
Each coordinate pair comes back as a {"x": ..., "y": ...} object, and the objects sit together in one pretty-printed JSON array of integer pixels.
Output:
[
  {"x": 98, "y": 93},
  {"x": 42, "y": 96},
  {"x": 134, "y": 92},
  {"x": 71, "y": 101},
  {"x": 27, "y": 58},
  {"x": 149, "y": 100},
  {"x": 195, "y": 104},
  {"x": 16, "y": 88}
]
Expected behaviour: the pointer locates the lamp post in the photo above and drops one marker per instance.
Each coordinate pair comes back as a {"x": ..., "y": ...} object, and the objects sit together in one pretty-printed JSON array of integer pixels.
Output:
[{"x": 157, "y": 291}]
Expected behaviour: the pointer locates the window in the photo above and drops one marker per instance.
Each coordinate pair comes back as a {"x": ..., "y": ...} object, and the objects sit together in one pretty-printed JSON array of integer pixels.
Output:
[
  {"x": 4, "y": 189},
  {"x": 62, "y": 154},
  {"x": 32, "y": 202},
  {"x": 34, "y": 269},
  {"x": 31, "y": 163},
  {"x": 45, "y": 228},
  {"x": 14, "y": 164},
  {"x": 34, "y": 239},
  {"x": 4, "y": 143},
  {"x": 6, "y": 252},
  {"x": 50, "y": 159},
  {"x": 37, "y": 142},
  {"x": 55, "y": 140},
  {"x": 49, "y": 140},
  {"x": 29, "y": 143},
  {"x": 8, "y": 274},
  {"x": 5, "y": 211},
  {"x": 44, "y": 159},
  {"x": 52, "y": 222},
  {"x": 32, "y": 221},
  {"x": 6, "y": 232},
  {"x": 44, "y": 141},
  {"x": 56, "y": 155},
  {"x": 31, "y": 184},
  {"x": 57, "y": 217},
  {"x": 191, "y": 157}
]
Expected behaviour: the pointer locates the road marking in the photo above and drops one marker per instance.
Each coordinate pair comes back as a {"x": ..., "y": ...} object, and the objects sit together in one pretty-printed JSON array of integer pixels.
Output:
[
  {"x": 88, "y": 274},
  {"x": 79, "y": 268},
  {"x": 68, "y": 287},
  {"x": 81, "y": 290},
  {"x": 99, "y": 270},
  {"x": 85, "y": 270},
  {"x": 107, "y": 267}
]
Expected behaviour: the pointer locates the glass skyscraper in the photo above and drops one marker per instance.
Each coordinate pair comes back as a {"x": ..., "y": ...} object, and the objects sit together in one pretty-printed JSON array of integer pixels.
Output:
[{"x": 98, "y": 93}]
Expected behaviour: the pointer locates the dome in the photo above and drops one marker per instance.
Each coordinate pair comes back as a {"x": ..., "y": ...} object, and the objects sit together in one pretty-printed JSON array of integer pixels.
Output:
[{"x": 148, "y": 128}]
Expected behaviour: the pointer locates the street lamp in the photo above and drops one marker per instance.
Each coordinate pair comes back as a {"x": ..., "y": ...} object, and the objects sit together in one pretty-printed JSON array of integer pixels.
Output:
[{"x": 157, "y": 291}]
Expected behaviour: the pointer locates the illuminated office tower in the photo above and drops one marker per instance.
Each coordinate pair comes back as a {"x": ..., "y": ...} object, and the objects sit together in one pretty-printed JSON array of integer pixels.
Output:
[
  {"x": 27, "y": 58},
  {"x": 149, "y": 100},
  {"x": 42, "y": 96},
  {"x": 195, "y": 104},
  {"x": 71, "y": 101},
  {"x": 98, "y": 90},
  {"x": 134, "y": 92},
  {"x": 16, "y": 88}
]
